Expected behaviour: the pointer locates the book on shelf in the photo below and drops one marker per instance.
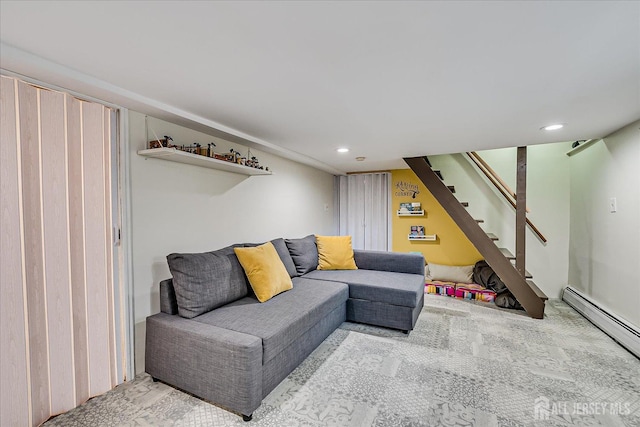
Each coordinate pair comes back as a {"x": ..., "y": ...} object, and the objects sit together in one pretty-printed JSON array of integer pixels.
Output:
[
  {"x": 417, "y": 230},
  {"x": 410, "y": 207}
]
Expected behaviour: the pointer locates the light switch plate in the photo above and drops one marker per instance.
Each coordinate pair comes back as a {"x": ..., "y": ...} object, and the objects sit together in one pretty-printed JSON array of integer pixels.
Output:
[{"x": 613, "y": 205}]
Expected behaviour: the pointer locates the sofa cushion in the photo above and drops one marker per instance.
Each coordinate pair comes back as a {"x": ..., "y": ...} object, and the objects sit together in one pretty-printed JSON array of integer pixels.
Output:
[
  {"x": 450, "y": 273},
  {"x": 264, "y": 269},
  {"x": 411, "y": 263},
  {"x": 304, "y": 253},
  {"x": 205, "y": 281},
  {"x": 335, "y": 253},
  {"x": 284, "y": 318},
  {"x": 285, "y": 256},
  {"x": 382, "y": 286}
]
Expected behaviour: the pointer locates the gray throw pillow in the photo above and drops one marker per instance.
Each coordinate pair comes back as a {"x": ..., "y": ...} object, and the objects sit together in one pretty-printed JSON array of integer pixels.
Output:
[
  {"x": 285, "y": 256},
  {"x": 304, "y": 253},
  {"x": 206, "y": 281}
]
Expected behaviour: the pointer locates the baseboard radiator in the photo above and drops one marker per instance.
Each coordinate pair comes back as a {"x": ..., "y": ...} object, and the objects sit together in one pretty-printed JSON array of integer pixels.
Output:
[{"x": 620, "y": 330}]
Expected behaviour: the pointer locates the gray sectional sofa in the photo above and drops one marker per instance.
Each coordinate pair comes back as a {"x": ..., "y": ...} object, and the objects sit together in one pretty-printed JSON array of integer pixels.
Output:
[{"x": 214, "y": 339}]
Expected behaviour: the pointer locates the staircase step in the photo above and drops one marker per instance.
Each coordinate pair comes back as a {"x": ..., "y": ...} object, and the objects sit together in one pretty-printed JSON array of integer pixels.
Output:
[
  {"x": 451, "y": 188},
  {"x": 493, "y": 236},
  {"x": 537, "y": 290},
  {"x": 507, "y": 253},
  {"x": 527, "y": 275},
  {"x": 439, "y": 174},
  {"x": 465, "y": 204}
]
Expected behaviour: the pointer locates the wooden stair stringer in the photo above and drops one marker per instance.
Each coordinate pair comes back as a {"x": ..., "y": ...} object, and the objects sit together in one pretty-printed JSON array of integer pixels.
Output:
[{"x": 528, "y": 297}]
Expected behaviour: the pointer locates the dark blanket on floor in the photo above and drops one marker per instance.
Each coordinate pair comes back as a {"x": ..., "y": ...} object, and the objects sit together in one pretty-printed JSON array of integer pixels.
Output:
[{"x": 484, "y": 275}]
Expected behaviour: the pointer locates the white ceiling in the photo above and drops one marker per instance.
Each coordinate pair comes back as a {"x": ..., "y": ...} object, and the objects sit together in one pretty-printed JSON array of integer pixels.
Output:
[{"x": 386, "y": 79}]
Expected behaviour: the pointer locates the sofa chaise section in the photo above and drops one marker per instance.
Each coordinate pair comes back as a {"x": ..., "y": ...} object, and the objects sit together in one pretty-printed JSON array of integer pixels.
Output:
[{"x": 386, "y": 290}]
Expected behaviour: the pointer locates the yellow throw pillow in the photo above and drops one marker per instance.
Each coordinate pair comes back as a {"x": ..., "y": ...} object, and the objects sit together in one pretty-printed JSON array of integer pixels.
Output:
[
  {"x": 267, "y": 274},
  {"x": 335, "y": 253}
]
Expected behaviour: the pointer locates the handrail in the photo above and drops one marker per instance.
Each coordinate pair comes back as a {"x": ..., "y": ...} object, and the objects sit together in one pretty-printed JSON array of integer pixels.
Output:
[
  {"x": 475, "y": 156},
  {"x": 508, "y": 194}
]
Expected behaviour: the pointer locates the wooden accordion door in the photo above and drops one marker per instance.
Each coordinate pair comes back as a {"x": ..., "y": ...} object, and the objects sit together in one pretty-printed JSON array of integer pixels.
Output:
[{"x": 58, "y": 327}]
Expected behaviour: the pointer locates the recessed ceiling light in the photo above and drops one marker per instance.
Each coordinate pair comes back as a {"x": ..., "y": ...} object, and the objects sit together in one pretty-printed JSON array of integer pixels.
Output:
[
  {"x": 360, "y": 159},
  {"x": 342, "y": 150},
  {"x": 553, "y": 127}
]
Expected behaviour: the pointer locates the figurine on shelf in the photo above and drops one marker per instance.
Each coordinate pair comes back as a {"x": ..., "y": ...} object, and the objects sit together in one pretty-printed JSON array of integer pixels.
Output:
[
  {"x": 210, "y": 146},
  {"x": 162, "y": 143},
  {"x": 203, "y": 151},
  {"x": 235, "y": 156},
  {"x": 155, "y": 144},
  {"x": 192, "y": 149}
]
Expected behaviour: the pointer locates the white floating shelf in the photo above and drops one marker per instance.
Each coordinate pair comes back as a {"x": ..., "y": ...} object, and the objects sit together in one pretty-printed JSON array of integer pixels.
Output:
[
  {"x": 174, "y": 155},
  {"x": 411, "y": 213},
  {"x": 426, "y": 237},
  {"x": 582, "y": 146}
]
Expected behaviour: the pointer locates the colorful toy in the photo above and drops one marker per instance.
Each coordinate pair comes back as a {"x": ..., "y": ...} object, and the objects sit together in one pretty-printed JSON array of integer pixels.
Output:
[
  {"x": 475, "y": 292},
  {"x": 445, "y": 289},
  {"x": 470, "y": 291}
]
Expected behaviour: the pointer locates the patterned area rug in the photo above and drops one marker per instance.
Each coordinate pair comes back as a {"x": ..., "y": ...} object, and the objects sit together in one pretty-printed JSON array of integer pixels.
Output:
[{"x": 466, "y": 364}]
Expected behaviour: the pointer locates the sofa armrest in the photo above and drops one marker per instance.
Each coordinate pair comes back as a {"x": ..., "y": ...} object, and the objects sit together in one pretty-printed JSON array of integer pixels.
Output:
[
  {"x": 213, "y": 363},
  {"x": 168, "y": 301},
  {"x": 389, "y": 261}
]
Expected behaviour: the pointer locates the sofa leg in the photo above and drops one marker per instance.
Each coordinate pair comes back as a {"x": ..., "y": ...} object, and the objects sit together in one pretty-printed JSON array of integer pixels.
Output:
[
  {"x": 247, "y": 418},
  {"x": 155, "y": 380},
  {"x": 406, "y": 332}
]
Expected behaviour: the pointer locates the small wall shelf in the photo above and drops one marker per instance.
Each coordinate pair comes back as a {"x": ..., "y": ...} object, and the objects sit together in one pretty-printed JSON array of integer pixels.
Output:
[
  {"x": 411, "y": 213},
  {"x": 582, "y": 146},
  {"x": 424, "y": 238},
  {"x": 174, "y": 155}
]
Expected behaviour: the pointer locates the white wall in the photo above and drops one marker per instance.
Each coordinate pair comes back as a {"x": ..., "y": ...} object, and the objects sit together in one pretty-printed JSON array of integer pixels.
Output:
[
  {"x": 184, "y": 208},
  {"x": 604, "y": 252},
  {"x": 547, "y": 198}
]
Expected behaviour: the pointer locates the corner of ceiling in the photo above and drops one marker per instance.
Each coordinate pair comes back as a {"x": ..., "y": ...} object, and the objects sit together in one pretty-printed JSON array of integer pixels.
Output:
[{"x": 21, "y": 63}]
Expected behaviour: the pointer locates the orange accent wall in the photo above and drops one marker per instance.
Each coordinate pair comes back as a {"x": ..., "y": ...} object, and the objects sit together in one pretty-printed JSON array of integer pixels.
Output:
[{"x": 451, "y": 247}]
